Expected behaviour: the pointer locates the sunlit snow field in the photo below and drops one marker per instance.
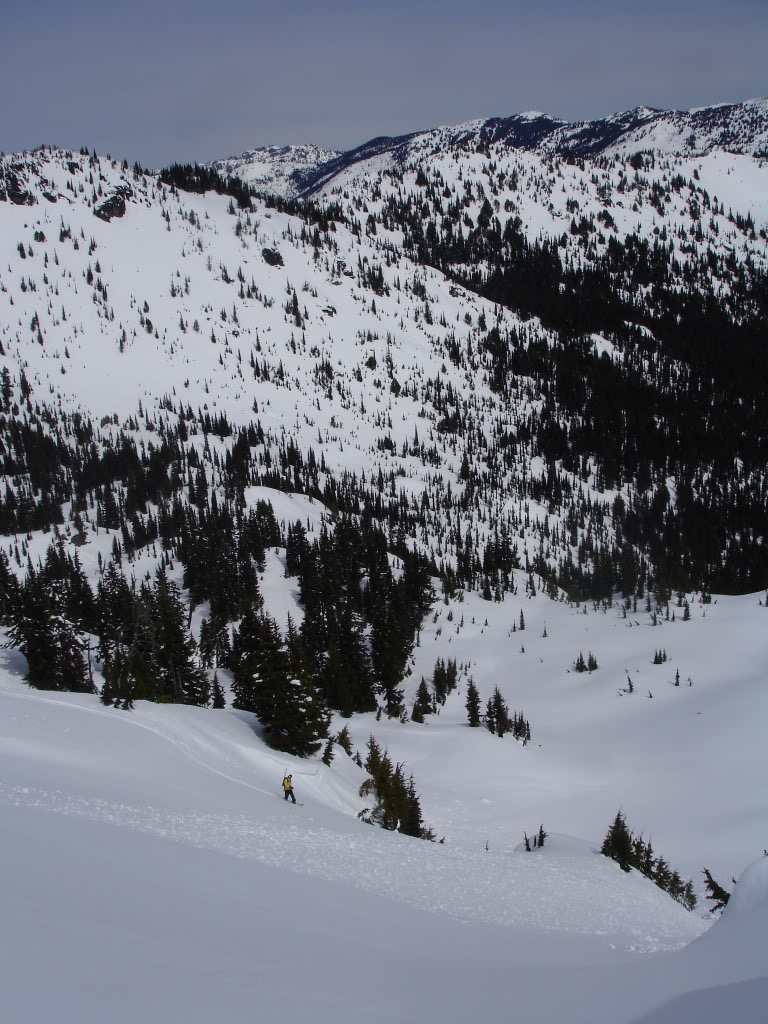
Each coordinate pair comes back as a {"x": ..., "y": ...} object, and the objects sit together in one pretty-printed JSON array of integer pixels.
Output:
[{"x": 150, "y": 866}]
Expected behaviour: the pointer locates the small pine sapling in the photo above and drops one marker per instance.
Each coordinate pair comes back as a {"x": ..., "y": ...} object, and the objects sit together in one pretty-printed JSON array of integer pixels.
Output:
[{"x": 345, "y": 741}]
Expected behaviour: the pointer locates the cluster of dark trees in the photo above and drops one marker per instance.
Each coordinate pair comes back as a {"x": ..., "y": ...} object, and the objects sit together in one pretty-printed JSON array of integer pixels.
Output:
[
  {"x": 347, "y": 588},
  {"x": 538, "y": 840},
  {"x": 274, "y": 678},
  {"x": 444, "y": 681},
  {"x": 499, "y": 721},
  {"x": 143, "y": 640},
  {"x": 352, "y": 648},
  {"x": 685, "y": 397},
  {"x": 497, "y": 718},
  {"x": 200, "y": 178},
  {"x": 46, "y": 617},
  {"x": 630, "y": 851},
  {"x": 145, "y": 644},
  {"x": 588, "y": 665},
  {"x": 359, "y": 627},
  {"x": 397, "y": 806}
]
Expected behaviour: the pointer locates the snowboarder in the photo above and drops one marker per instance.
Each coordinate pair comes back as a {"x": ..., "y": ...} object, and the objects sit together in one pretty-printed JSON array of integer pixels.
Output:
[{"x": 288, "y": 788}]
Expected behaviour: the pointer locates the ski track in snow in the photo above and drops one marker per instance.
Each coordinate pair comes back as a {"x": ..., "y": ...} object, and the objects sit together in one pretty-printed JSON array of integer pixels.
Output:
[
  {"x": 176, "y": 742},
  {"x": 428, "y": 875}
]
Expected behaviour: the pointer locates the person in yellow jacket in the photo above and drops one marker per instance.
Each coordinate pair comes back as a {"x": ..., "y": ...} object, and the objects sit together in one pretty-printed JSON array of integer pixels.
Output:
[{"x": 288, "y": 788}]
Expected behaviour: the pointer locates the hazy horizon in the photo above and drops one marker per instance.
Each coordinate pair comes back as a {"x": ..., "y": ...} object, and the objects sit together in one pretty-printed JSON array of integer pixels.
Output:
[{"x": 171, "y": 81}]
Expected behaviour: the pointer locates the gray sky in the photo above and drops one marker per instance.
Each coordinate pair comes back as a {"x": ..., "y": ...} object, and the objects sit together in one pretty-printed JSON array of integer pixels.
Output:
[{"x": 164, "y": 80}]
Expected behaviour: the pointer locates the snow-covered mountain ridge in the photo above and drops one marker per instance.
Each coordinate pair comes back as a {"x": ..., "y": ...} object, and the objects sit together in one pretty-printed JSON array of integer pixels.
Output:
[
  {"x": 727, "y": 127},
  {"x": 350, "y": 313}
]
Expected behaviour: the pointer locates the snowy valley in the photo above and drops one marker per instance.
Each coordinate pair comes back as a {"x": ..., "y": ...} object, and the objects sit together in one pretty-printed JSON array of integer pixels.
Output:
[{"x": 302, "y": 449}]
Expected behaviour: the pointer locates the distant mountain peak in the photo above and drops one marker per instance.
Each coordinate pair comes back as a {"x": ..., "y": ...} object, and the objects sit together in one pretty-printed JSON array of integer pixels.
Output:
[
  {"x": 276, "y": 168},
  {"x": 733, "y": 127}
]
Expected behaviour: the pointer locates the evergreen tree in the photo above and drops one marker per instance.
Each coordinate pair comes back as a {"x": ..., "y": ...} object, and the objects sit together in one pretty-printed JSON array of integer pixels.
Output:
[
  {"x": 499, "y": 713},
  {"x": 115, "y": 610},
  {"x": 344, "y": 741},
  {"x": 219, "y": 701},
  {"x": 444, "y": 679},
  {"x": 272, "y": 678},
  {"x": 413, "y": 824},
  {"x": 647, "y": 860},
  {"x": 389, "y": 647},
  {"x": 397, "y": 805},
  {"x": 182, "y": 680},
  {"x": 662, "y": 874},
  {"x": 440, "y": 681},
  {"x": 688, "y": 898},
  {"x": 716, "y": 894},
  {"x": 9, "y": 590},
  {"x": 473, "y": 705},
  {"x": 345, "y": 675},
  {"x": 423, "y": 703},
  {"x": 47, "y": 639},
  {"x": 618, "y": 843},
  {"x": 246, "y": 660},
  {"x": 490, "y": 716},
  {"x": 143, "y": 678},
  {"x": 396, "y": 802}
]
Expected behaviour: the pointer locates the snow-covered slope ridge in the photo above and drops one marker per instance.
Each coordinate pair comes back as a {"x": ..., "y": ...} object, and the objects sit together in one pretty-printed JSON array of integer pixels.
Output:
[{"x": 726, "y": 127}]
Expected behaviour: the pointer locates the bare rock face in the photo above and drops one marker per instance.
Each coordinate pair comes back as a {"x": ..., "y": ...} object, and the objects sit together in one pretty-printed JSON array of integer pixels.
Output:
[
  {"x": 12, "y": 188},
  {"x": 272, "y": 257},
  {"x": 114, "y": 204}
]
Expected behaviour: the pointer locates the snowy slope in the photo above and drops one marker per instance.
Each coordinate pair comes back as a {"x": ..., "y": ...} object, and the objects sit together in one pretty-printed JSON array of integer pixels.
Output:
[
  {"x": 277, "y": 169},
  {"x": 173, "y": 305},
  {"x": 154, "y": 870}
]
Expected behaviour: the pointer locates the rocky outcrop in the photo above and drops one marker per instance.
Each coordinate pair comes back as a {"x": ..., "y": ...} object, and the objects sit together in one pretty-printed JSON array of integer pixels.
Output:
[
  {"x": 272, "y": 257},
  {"x": 114, "y": 204},
  {"x": 12, "y": 189}
]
